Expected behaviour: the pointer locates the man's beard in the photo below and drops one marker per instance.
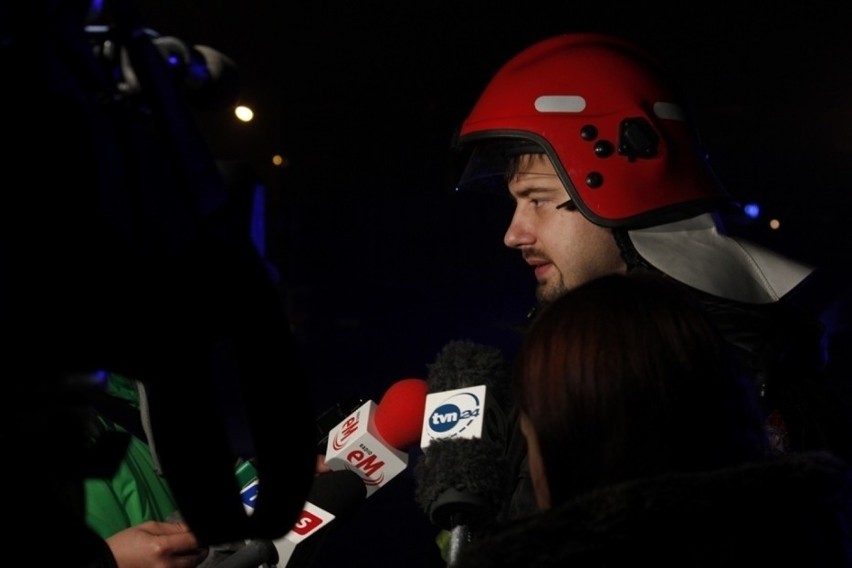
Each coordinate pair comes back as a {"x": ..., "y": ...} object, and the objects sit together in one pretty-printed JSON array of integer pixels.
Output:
[{"x": 546, "y": 295}]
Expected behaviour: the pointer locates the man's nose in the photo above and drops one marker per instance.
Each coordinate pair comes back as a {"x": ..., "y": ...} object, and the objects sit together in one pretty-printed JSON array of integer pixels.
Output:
[{"x": 519, "y": 232}]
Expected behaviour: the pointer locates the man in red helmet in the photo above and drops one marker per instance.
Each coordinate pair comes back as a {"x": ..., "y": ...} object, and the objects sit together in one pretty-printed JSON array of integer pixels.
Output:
[{"x": 592, "y": 141}]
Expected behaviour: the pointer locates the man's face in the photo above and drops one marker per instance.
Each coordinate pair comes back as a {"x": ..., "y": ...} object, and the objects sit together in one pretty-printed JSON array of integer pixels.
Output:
[{"x": 563, "y": 247}]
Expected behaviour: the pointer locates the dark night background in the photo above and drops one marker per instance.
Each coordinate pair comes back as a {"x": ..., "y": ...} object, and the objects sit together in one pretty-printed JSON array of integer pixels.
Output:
[{"x": 383, "y": 264}]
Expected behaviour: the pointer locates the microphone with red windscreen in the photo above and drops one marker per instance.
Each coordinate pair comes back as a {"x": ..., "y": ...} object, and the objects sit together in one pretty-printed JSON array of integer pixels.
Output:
[
  {"x": 398, "y": 411},
  {"x": 373, "y": 440}
]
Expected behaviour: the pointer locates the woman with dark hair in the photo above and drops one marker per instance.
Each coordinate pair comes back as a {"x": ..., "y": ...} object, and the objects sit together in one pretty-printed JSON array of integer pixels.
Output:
[{"x": 646, "y": 443}]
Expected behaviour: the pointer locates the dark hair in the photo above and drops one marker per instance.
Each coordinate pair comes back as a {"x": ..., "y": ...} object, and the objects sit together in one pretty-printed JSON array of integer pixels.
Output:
[
  {"x": 624, "y": 377},
  {"x": 518, "y": 160}
]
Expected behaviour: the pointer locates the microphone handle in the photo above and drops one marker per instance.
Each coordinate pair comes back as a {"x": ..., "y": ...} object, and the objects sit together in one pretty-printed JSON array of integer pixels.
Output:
[{"x": 459, "y": 536}]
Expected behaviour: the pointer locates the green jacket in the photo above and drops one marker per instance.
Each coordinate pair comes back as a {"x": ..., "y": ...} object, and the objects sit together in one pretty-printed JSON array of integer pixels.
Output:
[{"x": 137, "y": 492}]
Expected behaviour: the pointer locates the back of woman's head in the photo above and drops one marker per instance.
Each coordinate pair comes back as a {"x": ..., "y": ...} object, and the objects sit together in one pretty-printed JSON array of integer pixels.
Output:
[{"x": 623, "y": 378}]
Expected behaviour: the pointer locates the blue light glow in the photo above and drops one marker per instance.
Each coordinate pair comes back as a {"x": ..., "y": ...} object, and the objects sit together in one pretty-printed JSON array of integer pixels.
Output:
[{"x": 752, "y": 210}]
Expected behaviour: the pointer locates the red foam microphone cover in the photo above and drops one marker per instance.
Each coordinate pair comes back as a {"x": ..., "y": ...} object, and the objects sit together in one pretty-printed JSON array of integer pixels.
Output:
[{"x": 398, "y": 417}]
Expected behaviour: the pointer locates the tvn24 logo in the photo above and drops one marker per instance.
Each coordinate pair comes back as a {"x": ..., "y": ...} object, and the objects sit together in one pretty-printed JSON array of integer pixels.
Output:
[{"x": 456, "y": 413}]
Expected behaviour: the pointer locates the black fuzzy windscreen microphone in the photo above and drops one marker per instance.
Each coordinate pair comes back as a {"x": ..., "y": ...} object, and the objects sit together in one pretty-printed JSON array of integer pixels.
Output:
[
  {"x": 463, "y": 363},
  {"x": 461, "y": 483}
]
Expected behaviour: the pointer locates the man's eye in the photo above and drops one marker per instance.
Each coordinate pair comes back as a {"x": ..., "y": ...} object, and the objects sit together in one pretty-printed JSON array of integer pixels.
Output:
[{"x": 568, "y": 205}]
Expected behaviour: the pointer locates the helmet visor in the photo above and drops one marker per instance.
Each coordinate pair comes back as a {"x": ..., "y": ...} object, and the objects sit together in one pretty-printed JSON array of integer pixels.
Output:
[{"x": 488, "y": 165}]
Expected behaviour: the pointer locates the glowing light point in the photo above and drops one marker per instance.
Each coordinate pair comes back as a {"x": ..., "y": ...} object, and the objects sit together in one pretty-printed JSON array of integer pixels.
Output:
[
  {"x": 279, "y": 161},
  {"x": 752, "y": 210},
  {"x": 774, "y": 224},
  {"x": 244, "y": 113}
]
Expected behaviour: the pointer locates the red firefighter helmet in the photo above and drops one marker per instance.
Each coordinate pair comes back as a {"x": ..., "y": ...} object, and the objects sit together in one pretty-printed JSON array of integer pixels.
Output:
[{"x": 602, "y": 110}]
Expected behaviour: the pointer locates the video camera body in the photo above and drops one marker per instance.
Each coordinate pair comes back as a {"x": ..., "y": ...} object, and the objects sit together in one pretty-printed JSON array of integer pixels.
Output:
[{"x": 207, "y": 77}]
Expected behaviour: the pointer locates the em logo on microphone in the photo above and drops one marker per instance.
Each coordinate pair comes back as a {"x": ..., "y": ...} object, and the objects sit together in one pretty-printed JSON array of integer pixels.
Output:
[
  {"x": 455, "y": 413},
  {"x": 346, "y": 429},
  {"x": 356, "y": 445}
]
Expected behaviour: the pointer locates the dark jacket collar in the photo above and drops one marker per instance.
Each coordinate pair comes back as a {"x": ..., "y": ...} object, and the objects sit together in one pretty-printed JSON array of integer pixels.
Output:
[{"x": 793, "y": 510}]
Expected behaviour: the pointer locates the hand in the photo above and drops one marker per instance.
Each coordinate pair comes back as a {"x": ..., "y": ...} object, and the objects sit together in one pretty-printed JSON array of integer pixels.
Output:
[
  {"x": 321, "y": 467},
  {"x": 153, "y": 544}
]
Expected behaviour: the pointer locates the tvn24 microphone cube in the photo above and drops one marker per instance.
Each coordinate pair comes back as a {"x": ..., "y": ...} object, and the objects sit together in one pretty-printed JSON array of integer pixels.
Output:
[{"x": 458, "y": 413}]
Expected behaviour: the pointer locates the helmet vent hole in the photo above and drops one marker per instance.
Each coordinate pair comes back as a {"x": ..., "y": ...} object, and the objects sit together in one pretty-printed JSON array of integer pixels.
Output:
[
  {"x": 588, "y": 132},
  {"x": 603, "y": 148},
  {"x": 594, "y": 180}
]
